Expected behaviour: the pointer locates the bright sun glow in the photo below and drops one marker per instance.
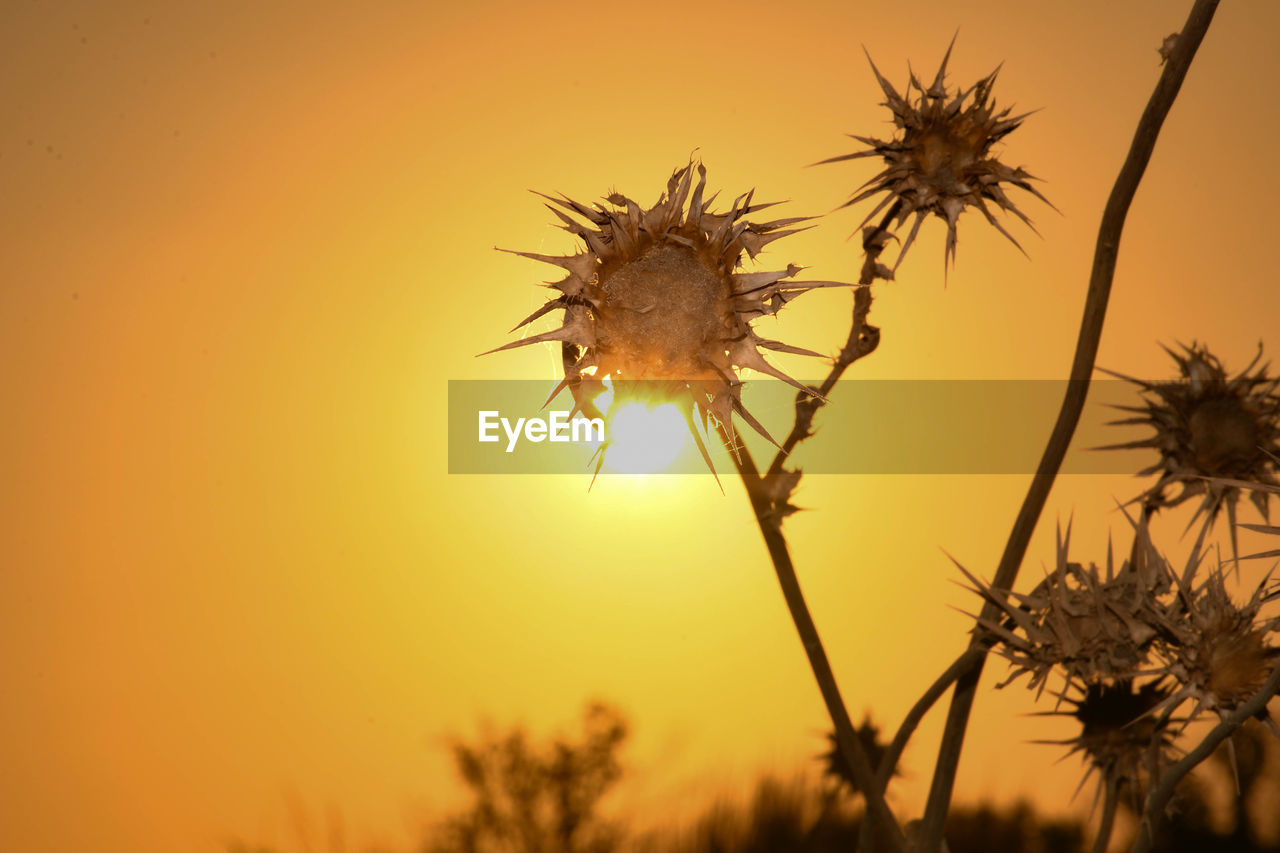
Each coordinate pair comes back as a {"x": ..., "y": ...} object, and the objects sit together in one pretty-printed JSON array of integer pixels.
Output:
[{"x": 645, "y": 439}]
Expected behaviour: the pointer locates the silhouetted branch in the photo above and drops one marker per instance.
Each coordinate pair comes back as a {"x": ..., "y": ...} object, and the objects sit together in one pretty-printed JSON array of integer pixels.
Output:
[
  {"x": 846, "y": 736},
  {"x": 1158, "y": 799},
  {"x": 1095, "y": 309}
]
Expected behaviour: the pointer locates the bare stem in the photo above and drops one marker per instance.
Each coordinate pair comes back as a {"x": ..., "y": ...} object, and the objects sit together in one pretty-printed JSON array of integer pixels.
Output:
[
  {"x": 1158, "y": 800},
  {"x": 846, "y": 737},
  {"x": 1095, "y": 309},
  {"x": 1109, "y": 802},
  {"x": 862, "y": 341},
  {"x": 968, "y": 659}
]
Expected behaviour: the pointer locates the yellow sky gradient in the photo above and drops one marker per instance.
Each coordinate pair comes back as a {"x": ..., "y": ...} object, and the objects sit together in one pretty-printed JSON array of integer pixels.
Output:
[{"x": 244, "y": 247}]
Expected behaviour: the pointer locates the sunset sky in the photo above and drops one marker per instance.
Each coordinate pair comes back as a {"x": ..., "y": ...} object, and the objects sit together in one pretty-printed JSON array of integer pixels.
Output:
[{"x": 243, "y": 250}]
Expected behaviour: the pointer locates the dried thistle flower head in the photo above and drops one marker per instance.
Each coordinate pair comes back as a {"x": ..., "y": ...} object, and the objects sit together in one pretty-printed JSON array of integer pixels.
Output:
[
  {"x": 836, "y": 767},
  {"x": 1208, "y": 425},
  {"x": 1219, "y": 652},
  {"x": 657, "y": 296},
  {"x": 1121, "y": 736},
  {"x": 1094, "y": 626},
  {"x": 940, "y": 161}
]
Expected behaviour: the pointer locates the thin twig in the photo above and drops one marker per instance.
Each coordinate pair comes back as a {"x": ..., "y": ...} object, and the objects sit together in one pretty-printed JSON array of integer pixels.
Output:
[
  {"x": 1095, "y": 309},
  {"x": 1158, "y": 799},
  {"x": 968, "y": 659},
  {"x": 862, "y": 341},
  {"x": 846, "y": 737},
  {"x": 1110, "y": 800}
]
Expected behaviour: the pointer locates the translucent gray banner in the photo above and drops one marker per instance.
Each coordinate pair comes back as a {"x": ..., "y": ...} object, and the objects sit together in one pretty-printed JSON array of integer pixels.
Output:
[{"x": 867, "y": 427}]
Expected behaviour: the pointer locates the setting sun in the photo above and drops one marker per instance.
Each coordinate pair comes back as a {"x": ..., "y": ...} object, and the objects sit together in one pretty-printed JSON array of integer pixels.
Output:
[{"x": 645, "y": 439}]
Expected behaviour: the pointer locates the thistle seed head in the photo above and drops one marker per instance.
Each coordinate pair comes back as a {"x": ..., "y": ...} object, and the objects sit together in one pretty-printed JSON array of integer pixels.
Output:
[
  {"x": 1209, "y": 428},
  {"x": 657, "y": 295},
  {"x": 941, "y": 160},
  {"x": 1095, "y": 625},
  {"x": 1121, "y": 736},
  {"x": 837, "y": 768},
  {"x": 1219, "y": 652}
]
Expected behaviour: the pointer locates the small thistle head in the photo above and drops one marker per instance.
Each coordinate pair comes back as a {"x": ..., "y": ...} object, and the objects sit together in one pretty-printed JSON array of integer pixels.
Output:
[
  {"x": 1219, "y": 652},
  {"x": 1121, "y": 735},
  {"x": 657, "y": 296},
  {"x": 1209, "y": 427},
  {"x": 836, "y": 766},
  {"x": 940, "y": 160},
  {"x": 1094, "y": 625}
]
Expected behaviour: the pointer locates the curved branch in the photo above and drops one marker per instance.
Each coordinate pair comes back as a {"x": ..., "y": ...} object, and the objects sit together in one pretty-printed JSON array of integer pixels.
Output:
[
  {"x": 1158, "y": 799},
  {"x": 862, "y": 341},
  {"x": 1095, "y": 308},
  {"x": 846, "y": 736},
  {"x": 1110, "y": 799},
  {"x": 962, "y": 665},
  {"x": 968, "y": 659}
]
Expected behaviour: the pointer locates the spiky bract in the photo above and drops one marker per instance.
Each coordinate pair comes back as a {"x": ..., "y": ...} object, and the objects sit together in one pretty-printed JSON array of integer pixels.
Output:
[
  {"x": 657, "y": 297},
  {"x": 1271, "y": 529},
  {"x": 836, "y": 767},
  {"x": 1121, "y": 736},
  {"x": 1217, "y": 651},
  {"x": 1137, "y": 646},
  {"x": 940, "y": 160},
  {"x": 1092, "y": 626},
  {"x": 1209, "y": 427}
]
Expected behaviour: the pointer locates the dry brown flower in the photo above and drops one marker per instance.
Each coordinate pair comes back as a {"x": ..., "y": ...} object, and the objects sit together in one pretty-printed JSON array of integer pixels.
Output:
[
  {"x": 1094, "y": 625},
  {"x": 657, "y": 297},
  {"x": 1217, "y": 651},
  {"x": 1210, "y": 428},
  {"x": 940, "y": 161},
  {"x": 1122, "y": 736},
  {"x": 836, "y": 766}
]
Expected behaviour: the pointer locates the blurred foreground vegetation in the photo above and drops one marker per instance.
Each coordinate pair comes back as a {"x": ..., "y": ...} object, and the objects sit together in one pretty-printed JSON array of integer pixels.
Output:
[{"x": 555, "y": 797}]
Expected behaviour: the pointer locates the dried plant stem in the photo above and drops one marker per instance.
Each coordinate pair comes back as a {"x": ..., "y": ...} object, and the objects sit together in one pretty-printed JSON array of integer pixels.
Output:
[
  {"x": 968, "y": 659},
  {"x": 862, "y": 341},
  {"x": 1158, "y": 799},
  {"x": 1095, "y": 308},
  {"x": 1110, "y": 799},
  {"x": 846, "y": 737}
]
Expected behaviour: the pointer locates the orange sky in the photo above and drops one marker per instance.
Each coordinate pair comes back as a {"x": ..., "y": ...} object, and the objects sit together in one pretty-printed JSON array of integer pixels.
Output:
[{"x": 244, "y": 247}]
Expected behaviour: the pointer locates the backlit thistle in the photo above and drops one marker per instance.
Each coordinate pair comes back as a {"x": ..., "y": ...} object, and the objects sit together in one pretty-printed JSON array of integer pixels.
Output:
[
  {"x": 1121, "y": 736},
  {"x": 1219, "y": 652},
  {"x": 836, "y": 766},
  {"x": 657, "y": 295},
  {"x": 1208, "y": 425},
  {"x": 1092, "y": 625},
  {"x": 940, "y": 159}
]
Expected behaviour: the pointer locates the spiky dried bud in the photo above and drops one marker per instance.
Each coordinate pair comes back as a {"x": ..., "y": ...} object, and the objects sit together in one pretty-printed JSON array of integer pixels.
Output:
[
  {"x": 1094, "y": 626},
  {"x": 657, "y": 296},
  {"x": 1209, "y": 428},
  {"x": 1217, "y": 651},
  {"x": 1121, "y": 735},
  {"x": 940, "y": 161},
  {"x": 836, "y": 767}
]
